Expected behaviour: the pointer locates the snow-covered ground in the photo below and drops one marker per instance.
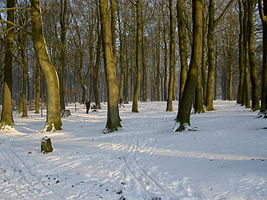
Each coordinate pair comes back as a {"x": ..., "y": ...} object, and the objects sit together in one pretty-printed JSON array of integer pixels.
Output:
[{"x": 225, "y": 159}]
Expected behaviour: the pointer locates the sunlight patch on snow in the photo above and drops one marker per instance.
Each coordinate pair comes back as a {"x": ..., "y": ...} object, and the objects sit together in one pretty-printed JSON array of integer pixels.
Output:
[{"x": 174, "y": 153}]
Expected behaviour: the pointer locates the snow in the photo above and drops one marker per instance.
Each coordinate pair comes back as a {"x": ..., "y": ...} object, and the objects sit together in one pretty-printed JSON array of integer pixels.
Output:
[{"x": 226, "y": 158}]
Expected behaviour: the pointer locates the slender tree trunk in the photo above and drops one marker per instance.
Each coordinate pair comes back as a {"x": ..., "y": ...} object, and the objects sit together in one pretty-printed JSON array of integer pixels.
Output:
[
  {"x": 138, "y": 55},
  {"x": 241, "y": 55},
  {"x": 81, "y": 77},
  {"x": 246, "y": 54},
  {"x": 183, "y": 116},
  {"x": 165, "y": 68},
  {"x": 204, "y": 59},
  {"x": 53, "y": 119},
  {"x": 113, "y": 118},
  {"x": 229, "y": 75},
  {"x": 211, "y": 70},
  {"x": 63, "y": 13},
  {"x": 97, "y": 70},
  {"x": 253, "y": 66},
  {"x": 182, "y": 45},
  {"x": 144, "y": 69},
  {"x": 6, "y": 118},
  {"x": 158, "y": 58},
  {"x": 37, "y": 88},
  {"x": 216, "y": 74},
  {"x": 122, "y": 57},
  {"x": 23, "y": 46},
  {"x": 172, "y": 59}
]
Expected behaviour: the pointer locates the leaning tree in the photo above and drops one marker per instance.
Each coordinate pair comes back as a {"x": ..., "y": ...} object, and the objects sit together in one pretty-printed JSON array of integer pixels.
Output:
[{"x": 53, "y": 119}]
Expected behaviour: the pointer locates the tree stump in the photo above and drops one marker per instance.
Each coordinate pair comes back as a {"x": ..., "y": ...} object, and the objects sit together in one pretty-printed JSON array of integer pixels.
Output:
[{"x": 46, "y": 145}]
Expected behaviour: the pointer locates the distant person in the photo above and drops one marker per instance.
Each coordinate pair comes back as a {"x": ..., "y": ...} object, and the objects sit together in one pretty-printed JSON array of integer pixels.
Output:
[{"x": 87, "y": 104}]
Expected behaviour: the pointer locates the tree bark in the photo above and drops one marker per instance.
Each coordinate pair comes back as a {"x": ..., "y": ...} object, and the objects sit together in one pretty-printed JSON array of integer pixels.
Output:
[
  {"x": 165, "y": 68},
  {"x": 252, "y": 60},
  {"x": 172, "y": 59},
  {"x": 184, "y": 111},
  {"x": 37, "y": 88},
  {"x": 204, "y": 59},
  {"x": 96, "y": 70},
  {"x": 246, "y": 88},
  {"x": 6, "y": 117},
  {"x": 144, "y": 69},
  {"x": 23, "y": 45},
  {"x": 198, "y": 107},
  {"x": 63, "y": 26},
  {"x": 138, "y": 55},
  {"x": 113, "y": 8},
  {"x": 113, "y": 118},
  {"x": 241, "y": 55},
  {"x": 229, "y": 74},
  {"x": 53, "y": 119},
  {"x": 182, "y": 45},
  {"x": 158, "y": 58},
  {"x": 122, "y": 56},
  {"x": 211, "y": 69},
  {"x": 263, "y": 15}
]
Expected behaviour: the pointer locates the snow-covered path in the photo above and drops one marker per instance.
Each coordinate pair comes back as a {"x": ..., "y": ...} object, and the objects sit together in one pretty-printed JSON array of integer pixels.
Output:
[{"x": 225, "y": 159}]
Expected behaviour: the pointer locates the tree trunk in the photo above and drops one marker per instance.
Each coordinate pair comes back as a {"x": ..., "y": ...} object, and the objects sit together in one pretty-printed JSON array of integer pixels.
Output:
[
  {"x": 6, "y": 118},
  {"x": 172, "y": 59},
  {"x": 138, "y": 55},
  {"x": 182, "y": 45},
  {"x": 144, "y": 78},
  {"x": 165, "y": 68},
  {"x": 113, "y": 118},
  {"x": 204, "y": 60},
  {"x": 253, "y": 66},
  {"x": 211, "y": 70},
  {"x": 37, "y": 88},
  {"x": 241, "y": 55},
  {"x": 96, "y": 70},
  {"x": 229, "y": 75},
  {"x": 53, "y": 119},
  {"x": 122, "y": 57},
  {"x": 263, "y": 14},
  {"x": 198, "y": 106},
  {"x": 113, "y": 9},
  {"x": 23, "y": 45},
  {"x": 246, "y": 53},
  {"x": 183, "y": 116},
  {"x": 63, "y": 13},
  {"x": 158, "y": 58}
]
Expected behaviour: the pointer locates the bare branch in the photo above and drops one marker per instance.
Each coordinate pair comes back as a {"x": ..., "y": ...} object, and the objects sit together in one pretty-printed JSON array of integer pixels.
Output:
[
  {"x": 223, "y": 12},
  {"x": 16, "y": 8}
]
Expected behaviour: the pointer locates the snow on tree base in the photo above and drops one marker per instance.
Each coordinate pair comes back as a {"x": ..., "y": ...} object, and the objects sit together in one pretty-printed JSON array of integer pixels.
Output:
[
  {"x": 262, "y": 115},
  {"x": 9, "y": 130},
  {"x": 107, "y": 130},
  {"x": 184, "y": 127}
]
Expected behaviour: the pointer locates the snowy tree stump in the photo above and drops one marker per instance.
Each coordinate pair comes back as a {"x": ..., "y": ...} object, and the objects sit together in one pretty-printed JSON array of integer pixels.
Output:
[{"x": 46, "y": 145}]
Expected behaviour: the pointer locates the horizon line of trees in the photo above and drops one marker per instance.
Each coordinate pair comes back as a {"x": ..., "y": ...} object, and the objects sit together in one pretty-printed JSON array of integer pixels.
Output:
[{"x": 194, "y": 51}]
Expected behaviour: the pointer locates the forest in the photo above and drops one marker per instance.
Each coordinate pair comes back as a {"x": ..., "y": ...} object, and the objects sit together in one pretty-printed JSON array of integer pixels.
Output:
[
  {"x": 152, "y": 73},
  {"x": 120, "y": 51}
]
